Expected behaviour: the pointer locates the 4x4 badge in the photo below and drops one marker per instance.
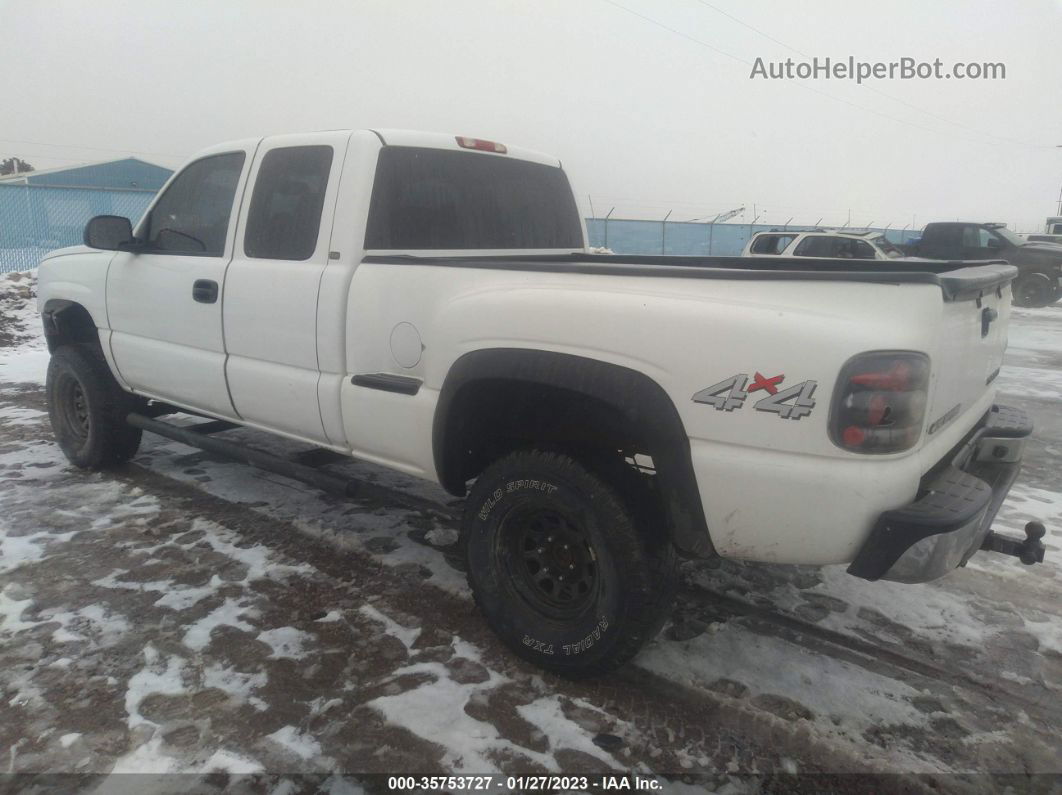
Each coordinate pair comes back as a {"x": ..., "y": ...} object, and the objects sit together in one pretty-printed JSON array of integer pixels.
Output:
[{"x": 790, "y": 404}]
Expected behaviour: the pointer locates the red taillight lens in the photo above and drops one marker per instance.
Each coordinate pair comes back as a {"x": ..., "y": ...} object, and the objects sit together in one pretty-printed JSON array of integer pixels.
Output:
[
  {"x": 880, "y": 401},
  {"x": 481, "y": 145}
]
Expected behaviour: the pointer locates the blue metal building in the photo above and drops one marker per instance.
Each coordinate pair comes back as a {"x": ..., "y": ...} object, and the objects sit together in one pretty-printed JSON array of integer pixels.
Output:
[
  {"x": 44, "y": 210},
  {"x": 130, "y": 173}
]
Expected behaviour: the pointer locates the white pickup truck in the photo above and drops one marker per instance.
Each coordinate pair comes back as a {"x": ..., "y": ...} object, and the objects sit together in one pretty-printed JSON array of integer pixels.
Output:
[{"x": 426, "y": 302}]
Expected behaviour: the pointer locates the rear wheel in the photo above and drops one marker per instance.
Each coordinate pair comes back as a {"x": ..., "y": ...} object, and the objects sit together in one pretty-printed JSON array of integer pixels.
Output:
[
  {"x": 561, "y": 567},
  {"x": 87, "y": 409},
  {"x": 1035, "y": 289}
]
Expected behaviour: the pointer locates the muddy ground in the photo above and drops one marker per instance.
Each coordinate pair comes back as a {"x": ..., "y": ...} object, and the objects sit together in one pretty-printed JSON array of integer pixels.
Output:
[{"x": 188, "y": 615}]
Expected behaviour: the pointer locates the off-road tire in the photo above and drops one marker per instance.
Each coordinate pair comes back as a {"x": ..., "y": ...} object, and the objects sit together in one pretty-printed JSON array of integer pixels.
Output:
[
  {"x": 621, "y": 577},
  {"x": 87, "y": 409},
  {"x": 1034, "y": 289}
]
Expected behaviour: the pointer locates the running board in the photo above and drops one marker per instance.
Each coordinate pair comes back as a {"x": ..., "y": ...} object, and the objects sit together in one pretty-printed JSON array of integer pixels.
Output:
[{"x": 200, "y": 436}]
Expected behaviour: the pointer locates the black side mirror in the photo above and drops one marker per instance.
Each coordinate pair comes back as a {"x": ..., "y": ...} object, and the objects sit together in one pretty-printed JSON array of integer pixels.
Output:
[
  {"x": 994, "y": 243},
  {"x": 109, "y": 232}
]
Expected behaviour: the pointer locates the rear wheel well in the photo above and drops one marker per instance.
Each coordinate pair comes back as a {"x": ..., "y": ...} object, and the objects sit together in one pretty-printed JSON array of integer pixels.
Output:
[
  {"x": 68, "y": 323},
  {"x": 493, "y": 417},
  {"x": 498, "y": 401}
]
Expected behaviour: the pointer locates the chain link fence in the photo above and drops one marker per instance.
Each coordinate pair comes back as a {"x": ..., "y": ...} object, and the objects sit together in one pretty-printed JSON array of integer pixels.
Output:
[
  {"x": 630, "y": 236},
  {"x": 35, "y": 219}
]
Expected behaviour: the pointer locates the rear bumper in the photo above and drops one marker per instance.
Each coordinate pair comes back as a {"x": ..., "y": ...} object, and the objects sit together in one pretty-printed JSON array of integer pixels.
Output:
[{"x": 956, "y": 505}]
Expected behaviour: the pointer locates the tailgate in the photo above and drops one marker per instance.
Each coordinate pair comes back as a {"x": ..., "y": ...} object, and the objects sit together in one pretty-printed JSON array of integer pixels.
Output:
[{"x": 973, "y": 334}]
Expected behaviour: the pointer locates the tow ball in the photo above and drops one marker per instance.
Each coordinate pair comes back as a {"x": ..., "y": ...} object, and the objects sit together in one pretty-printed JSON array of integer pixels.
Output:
[{"x": 1029, "y": 551}]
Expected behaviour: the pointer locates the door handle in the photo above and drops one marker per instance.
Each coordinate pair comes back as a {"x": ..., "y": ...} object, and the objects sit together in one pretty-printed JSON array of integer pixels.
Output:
[{"x": 205, "y": 291}]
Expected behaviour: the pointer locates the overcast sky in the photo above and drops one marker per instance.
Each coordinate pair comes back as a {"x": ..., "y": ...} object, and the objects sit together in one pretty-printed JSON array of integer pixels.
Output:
[{"x": 648, "y": 103}]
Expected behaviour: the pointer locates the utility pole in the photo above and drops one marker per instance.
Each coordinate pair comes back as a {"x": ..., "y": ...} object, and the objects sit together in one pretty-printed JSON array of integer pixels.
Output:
[
  {"x": 590, "y": 199},
  {"x": 606, "y": 226},
  {"x": 663, "y": 232}
]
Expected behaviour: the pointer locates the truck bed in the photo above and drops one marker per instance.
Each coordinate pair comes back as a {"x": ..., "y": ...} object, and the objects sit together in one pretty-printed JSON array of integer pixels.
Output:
[{"x": 957, "y": 279}]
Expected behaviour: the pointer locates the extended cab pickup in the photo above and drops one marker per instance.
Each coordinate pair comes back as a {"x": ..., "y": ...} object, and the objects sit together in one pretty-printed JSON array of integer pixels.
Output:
[
  {"x": 1039, "y": 264},
  {"x": 427, "y": 303}
]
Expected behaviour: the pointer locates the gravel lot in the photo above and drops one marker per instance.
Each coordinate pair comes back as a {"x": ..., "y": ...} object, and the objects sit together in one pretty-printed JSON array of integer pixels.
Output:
[{"x": 190, "y": 615}]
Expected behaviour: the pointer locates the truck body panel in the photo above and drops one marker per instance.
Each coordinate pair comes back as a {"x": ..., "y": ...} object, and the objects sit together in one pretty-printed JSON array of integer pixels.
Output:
[{"x": 349, "y": 347}]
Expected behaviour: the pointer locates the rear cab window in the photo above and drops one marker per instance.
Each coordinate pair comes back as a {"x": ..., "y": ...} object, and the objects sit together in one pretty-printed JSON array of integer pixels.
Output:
[{"x": 426, "y": 198}]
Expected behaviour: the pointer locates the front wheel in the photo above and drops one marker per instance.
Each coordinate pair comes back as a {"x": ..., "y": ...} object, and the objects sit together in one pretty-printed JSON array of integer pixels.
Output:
[
  {"x": 87, "y": 409},
  {"x": 1035, "y": 289},
  {"x": 560, "y": 567}
]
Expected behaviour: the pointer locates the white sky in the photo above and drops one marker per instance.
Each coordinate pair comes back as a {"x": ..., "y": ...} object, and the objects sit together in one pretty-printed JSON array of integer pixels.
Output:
[{"x": 644, "y": 118}]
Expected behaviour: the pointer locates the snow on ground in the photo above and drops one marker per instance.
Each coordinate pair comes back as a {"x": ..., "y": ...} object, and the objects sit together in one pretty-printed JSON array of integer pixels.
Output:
[{"x": 224, "y": 639}]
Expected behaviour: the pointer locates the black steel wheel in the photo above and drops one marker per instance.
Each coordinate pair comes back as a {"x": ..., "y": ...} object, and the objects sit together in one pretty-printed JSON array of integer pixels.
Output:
[
  {"x": 87, "y": 409},
  {"x": 1035, "y": 289},
  {"x": 549, "y": 559},
  {"x": 564, "y": 569}
]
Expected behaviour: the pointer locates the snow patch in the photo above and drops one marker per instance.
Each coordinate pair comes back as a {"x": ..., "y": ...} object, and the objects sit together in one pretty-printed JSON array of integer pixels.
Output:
[
  {"x": 286, "y": 642},
  {"x": 157, "y": 676},
  {"x": 299, "y": 743},
  {"x": 406, "y": 635},
  {"x": 228, "y": 614}
]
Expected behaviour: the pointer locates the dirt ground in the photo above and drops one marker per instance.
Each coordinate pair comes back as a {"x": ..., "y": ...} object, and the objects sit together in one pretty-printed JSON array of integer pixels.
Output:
[{"x": 185, "y": 616}]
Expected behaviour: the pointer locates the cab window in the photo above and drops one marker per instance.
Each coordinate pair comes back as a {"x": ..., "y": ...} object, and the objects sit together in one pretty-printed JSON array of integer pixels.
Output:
[
  {"x": 192, "y": 216},
  {"x": 815, "y": 246},
  {"x": 771, "y": 244},
  {"x": 285, "y": 213},
  {"x": 834, "y": 247},
  {"x": 443, "y": 199},
  {"x": 975, "y": 237}
]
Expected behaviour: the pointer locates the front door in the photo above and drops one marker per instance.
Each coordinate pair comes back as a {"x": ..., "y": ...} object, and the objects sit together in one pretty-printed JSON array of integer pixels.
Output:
[
  {"x": 272, "y": 284},
  {"x": 164, "y": 301}
]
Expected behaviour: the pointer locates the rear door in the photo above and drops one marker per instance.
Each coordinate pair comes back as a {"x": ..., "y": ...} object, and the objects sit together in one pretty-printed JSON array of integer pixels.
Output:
[
  {"x": 942, "y": 241},
  {"x": 272, "y": 284},
  {"x": 164, "y": 302}
]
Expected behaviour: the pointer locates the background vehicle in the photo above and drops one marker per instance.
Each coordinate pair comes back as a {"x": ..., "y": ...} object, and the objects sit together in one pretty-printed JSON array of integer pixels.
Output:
[
  {"x": 1052, "y": 232},
  {"x": 1039, "y": 282},
  {"x": 834, "y": 243},
  {"x": 426, "y": 302}
]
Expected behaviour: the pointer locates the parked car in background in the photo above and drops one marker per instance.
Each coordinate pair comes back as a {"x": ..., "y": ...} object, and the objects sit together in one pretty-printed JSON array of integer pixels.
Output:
[
  {"x": 820, "y": 243},
  {"x": 1052, "y": 232},
  {"x": 1039, "y": 264}
]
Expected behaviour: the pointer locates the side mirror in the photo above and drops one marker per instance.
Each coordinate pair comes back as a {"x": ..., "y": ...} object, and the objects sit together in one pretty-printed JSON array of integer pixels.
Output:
[
  {"x": 109, "y": 232},
  {"x": 993, "y": 242}
]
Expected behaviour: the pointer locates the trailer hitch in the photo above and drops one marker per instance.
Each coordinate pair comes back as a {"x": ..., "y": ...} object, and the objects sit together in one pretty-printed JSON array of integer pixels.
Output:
[{"x": 1029, "y": 551}]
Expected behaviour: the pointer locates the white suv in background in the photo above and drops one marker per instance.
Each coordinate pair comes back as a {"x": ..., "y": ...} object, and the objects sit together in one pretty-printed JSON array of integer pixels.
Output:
[{"x": 819, "y": 243}]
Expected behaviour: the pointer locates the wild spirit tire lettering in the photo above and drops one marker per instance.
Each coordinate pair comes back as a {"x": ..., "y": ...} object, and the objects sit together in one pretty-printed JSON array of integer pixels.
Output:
[{"x": 511, "y": 487}]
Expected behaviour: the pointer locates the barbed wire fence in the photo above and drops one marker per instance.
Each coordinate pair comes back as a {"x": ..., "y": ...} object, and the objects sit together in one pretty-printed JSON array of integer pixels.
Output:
[{"x": 36, "y": 219}]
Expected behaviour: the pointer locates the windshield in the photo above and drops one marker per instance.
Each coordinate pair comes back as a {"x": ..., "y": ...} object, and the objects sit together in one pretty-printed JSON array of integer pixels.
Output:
[
  {"x": 1009, "y": 236},
  {"x": 887, "y": 248}
]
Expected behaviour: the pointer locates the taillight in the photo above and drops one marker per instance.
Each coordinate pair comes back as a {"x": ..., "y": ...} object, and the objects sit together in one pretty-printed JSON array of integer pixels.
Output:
[
  {"x": 880, "y": 402},
  {"x": 481, "y": 145}
]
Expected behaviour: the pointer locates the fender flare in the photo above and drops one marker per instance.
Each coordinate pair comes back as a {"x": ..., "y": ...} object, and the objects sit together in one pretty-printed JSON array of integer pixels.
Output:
[
  {"x": 635, "y": 395},
  {"x": 53, "y": 318}
]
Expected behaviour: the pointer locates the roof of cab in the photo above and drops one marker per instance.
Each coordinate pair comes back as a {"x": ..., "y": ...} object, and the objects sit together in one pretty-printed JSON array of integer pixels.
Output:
[
  {"x": 446, "y": 141},
  {"x": 428, "y": 140},
  {"x": 834, "y": 232}
]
